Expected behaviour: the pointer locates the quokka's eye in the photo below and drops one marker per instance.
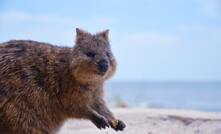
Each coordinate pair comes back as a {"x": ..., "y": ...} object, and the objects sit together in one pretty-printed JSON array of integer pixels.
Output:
[{"x": 90, "y": 54}]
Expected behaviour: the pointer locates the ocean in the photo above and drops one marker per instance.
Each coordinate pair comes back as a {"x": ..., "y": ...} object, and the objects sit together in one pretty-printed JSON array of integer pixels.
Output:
[{"x": 205, "y": 96}]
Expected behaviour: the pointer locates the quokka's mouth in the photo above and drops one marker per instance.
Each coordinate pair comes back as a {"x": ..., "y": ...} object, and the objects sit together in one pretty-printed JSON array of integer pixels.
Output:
[{"x": 101, "y": 73}]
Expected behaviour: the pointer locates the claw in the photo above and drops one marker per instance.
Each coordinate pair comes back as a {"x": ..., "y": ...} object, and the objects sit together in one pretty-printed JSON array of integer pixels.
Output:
[
  {"x": 118, "y": 125},
  {"x": 101, "y": 123}
]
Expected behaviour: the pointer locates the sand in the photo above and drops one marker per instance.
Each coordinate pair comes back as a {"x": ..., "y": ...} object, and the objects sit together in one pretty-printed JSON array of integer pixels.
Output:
[{"x": 153, "y": 121}]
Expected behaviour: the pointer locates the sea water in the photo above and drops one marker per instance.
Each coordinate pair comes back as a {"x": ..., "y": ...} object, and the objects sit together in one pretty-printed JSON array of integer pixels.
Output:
[{"x": 176, "y": 95}]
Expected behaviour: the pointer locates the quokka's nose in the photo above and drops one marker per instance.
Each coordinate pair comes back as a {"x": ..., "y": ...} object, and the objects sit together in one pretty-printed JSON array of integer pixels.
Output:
[{"x": 103, "y": 65}]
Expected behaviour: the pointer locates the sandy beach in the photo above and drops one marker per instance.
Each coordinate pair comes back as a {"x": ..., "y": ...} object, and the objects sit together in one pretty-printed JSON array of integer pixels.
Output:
[{"x": 153, "y": 121}]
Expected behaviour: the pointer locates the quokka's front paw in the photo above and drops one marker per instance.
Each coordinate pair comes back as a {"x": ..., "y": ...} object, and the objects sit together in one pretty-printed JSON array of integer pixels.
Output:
[
  {"x": 101, "y": 123},
  {"x": 118, "y": 125}
]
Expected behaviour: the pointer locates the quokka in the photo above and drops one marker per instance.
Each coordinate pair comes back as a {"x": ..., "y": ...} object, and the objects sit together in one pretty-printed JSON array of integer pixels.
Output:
[{"x": 42, "y": 85}]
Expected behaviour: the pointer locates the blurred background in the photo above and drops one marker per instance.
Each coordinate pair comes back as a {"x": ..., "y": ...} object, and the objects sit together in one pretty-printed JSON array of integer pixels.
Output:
[{"x": 168, "y": 52}]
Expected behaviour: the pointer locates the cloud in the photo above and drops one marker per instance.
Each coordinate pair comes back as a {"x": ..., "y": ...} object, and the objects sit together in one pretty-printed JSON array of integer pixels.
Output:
[
  {"x": 200, "y": 34},
  {"x": 193, "y": 28},
  {"x": 13, "y": 17},
  {"x": 20, "y": 17},
  {"x": 149, "y": 39}
]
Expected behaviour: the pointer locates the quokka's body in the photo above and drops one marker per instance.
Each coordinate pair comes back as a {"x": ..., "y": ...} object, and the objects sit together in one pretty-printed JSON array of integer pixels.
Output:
[{"x": 42, "y": 85}]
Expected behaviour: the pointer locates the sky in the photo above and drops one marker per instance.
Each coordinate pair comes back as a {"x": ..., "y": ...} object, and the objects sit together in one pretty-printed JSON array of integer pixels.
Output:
[{"x": 152, "y": 40}]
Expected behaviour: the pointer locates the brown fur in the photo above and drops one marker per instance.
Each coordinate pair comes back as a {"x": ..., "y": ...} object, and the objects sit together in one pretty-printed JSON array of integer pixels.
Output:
[{"x": 42, "y": 85}]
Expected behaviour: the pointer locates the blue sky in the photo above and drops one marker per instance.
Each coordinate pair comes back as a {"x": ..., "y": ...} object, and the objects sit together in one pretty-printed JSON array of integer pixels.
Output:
[{"x": 153, "y": 40}]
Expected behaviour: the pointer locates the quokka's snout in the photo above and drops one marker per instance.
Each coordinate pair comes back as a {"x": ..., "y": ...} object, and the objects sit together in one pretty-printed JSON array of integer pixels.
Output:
[{"x": 103, "y": 66}]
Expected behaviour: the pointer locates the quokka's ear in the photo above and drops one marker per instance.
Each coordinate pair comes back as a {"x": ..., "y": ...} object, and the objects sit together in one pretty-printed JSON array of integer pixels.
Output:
[
  {"x": 80, "y": 33},
  {"x": 104, "y": 34}
]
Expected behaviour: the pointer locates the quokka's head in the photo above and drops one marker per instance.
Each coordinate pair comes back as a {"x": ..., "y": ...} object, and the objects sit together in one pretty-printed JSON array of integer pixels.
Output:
[{"x": 92, "y": 56}]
